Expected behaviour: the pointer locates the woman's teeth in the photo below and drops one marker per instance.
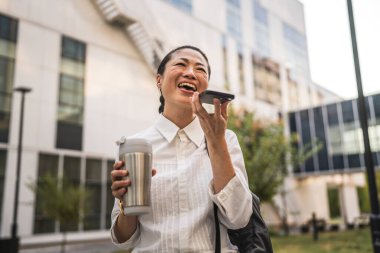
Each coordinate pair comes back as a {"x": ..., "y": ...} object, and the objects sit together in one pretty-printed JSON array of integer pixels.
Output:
[{"x": 187, "y": 86}]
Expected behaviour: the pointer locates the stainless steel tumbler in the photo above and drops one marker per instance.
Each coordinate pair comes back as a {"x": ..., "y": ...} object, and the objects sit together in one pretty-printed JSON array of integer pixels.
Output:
[{"x": 137, "y": 157}]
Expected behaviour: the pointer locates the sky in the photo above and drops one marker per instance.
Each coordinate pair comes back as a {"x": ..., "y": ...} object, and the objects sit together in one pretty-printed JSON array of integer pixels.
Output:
[{"x": 330, "y": 49}]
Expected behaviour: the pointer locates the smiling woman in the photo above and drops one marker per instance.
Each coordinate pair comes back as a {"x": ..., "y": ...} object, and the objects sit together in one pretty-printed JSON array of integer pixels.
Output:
[
  {"x": 189, "y": 177},
  {"x": 180, "y": 63}
]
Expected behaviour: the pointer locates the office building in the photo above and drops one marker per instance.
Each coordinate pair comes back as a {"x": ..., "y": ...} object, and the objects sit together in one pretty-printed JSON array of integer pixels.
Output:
[{"x": 91, "y": 66}]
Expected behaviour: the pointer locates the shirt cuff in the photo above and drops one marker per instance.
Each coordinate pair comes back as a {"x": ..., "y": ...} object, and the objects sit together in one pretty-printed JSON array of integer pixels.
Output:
[
  {"x": 227, "y": 191},
  {"x": 130, "y": 243},
  {"x": 234, "y": 203}
]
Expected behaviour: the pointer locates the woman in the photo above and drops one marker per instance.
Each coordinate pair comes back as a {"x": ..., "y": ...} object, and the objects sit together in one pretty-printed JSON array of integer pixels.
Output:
[{"x": 197, "y": 162}]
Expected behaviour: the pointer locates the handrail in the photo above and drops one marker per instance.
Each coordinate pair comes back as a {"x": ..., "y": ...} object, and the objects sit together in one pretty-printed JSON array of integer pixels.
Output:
[{"x": 142, "y": 30}]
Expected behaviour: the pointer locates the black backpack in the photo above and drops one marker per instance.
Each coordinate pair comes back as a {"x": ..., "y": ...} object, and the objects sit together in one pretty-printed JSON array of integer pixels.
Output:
[{"x": 253, "y": 238}]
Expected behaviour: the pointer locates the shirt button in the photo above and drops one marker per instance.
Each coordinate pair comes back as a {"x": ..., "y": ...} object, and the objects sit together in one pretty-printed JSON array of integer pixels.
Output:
[
  {"x": 222, "y": 196},
  {"x": 182, "y": 136}
]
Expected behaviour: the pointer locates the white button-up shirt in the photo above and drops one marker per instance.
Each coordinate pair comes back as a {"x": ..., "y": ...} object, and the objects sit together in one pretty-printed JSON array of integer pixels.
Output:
[{"x": 182, "y": 194}]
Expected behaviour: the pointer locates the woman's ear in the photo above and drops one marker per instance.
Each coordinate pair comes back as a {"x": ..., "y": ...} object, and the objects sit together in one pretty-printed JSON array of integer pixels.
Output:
[{"x": 158, "y": 81}]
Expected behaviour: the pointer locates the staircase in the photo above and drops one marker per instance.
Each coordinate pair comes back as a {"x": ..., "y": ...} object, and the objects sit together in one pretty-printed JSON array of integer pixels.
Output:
[
  {"x": 150, "y": 47},
  {"x": 141, "y": 31},
  {"x": 111, "y": 11}
]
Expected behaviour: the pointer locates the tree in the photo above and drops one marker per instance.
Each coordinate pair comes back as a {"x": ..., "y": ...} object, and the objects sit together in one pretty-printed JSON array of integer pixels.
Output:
[
  {"x": 363, "y": 194},
  {"x": 62, "y": 201},
  {"x": 267, "y": 154}
]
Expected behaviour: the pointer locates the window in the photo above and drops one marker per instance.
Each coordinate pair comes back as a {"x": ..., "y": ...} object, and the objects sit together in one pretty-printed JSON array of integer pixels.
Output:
[
  {"x": 347, "y": 112},
  {"x": 93, "y": 186},
  {"x": 291, "y": 35},
  {"x": 320, "y": 135},
  {"x": 184, "y": 5},
  {"x": 235, "y": 3},
  {"x": 352, "y": 137},
  {"x": 234, "y": 18},
  {"x": 71, "y": 172},
  {"x": 110, "y": 199},
  {"x": 260, "y": 20},
  {"x": 334, "y": 203},
  {"x": 335, "y": 135},
  {"x": 47, "y": 164},
  {"x": 376, "y": 106},
  {"x": 8, "y": 38},
  {"x": 3, "y": 158},
  {"x": 363, "y": 198},
  {"x": 94, "y": 177},
  {"x": 375, "y": 132},
  {"x": 341, "y": 136},
  {"x": 296, "y": 52},
  {"x": 241, "y": 69},
  {"x": 293, "y": 130},
  {"x": 225, "y": 63},
  {"x": 267, "y": 85},
  {"x": 71, "y": 95},
  {"x": 332, "y": 115},
  {"x": 260, "y": 13},
  {"x": 306, "y": 138}
]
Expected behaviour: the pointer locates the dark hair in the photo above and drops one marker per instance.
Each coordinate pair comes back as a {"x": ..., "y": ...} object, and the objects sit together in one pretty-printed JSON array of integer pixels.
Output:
[{"x": 168, "y": 56}]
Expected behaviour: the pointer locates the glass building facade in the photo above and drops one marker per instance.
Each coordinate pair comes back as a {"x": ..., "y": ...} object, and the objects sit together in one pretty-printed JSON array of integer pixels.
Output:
[
  {"x": 71, "y": 94},
  {"x": 8, "y": 40},
  {"x": 184, "y": 5},
  {"x": 337, "y": 127},
  {"x": 91, "y": 173}
]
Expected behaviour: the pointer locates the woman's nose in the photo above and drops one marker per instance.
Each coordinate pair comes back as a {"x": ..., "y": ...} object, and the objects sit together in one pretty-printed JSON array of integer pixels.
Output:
[{"x": 189, "y": 73}]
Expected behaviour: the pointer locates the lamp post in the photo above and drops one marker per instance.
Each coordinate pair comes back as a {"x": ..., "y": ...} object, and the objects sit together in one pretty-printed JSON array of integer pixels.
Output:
[
  {"x": 15, "y": 239},
  {"x": 375, "y": 213}
]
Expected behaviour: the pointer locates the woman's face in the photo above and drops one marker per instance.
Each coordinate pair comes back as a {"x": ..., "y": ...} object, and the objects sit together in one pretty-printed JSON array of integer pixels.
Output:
[{"x": 185, "y": 73}]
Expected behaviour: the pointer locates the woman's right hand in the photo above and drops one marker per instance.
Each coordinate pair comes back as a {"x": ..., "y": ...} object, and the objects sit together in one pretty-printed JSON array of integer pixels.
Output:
[
  {"x": 125, "y": 224},
  {"x": 119, "y": 183}
]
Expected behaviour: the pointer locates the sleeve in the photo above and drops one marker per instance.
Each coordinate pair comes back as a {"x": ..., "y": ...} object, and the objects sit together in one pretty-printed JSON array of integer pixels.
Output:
[
  {"x": 234, "y": 201},
  {"x": 135, "y": 238}
]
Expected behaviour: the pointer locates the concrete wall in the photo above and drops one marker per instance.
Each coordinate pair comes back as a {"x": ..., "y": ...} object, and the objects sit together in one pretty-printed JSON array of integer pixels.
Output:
[{"x": 120, "y": 92}]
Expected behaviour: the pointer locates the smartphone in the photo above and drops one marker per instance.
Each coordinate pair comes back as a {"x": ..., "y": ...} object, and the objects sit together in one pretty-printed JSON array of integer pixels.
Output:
[{"x": 208, "y": 96}]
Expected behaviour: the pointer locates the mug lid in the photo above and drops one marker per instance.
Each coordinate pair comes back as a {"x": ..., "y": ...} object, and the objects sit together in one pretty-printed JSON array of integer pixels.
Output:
[{"x": 135, "y": 145}]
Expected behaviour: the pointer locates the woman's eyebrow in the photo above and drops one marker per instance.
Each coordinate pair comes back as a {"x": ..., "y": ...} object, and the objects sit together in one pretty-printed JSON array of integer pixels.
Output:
[{"x": 187, "y": 61}]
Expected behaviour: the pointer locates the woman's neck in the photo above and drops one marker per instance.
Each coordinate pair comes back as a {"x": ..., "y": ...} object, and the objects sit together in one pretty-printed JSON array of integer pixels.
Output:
[{"x": 179, "y": 116}]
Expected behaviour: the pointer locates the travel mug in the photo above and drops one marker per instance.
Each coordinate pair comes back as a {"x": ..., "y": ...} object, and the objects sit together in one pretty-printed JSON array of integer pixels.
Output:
[{"x": 137, "y": 157}]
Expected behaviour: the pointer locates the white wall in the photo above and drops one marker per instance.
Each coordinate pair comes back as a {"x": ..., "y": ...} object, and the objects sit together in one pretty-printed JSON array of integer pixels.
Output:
[
  {"x": 121, "y": 96},
  {"x": 121, "y": 99},
  {"x": 307, "y": 195}
]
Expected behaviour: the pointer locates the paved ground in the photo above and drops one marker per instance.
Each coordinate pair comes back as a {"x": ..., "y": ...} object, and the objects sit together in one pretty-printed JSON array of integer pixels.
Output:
[{"x": 93, "y": 247}]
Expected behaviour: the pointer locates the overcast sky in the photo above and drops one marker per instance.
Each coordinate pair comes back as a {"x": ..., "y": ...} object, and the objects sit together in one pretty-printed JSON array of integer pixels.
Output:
[{"x": 329, "y": 44}]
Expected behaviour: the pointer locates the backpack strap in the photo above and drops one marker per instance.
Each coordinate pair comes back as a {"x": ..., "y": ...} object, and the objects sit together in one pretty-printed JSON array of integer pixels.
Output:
[
  {"x": 217, "y": 230},
  {"x": 216, "y": 219}
]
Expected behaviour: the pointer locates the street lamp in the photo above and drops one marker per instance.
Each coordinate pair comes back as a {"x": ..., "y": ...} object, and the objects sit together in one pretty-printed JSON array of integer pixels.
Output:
[
  {"x": 375, "y": 212},
  {"x": 15, "y": 239}
]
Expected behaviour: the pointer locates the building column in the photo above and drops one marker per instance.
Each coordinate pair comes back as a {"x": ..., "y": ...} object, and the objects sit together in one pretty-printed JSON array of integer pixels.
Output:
[{"x": 349, "y": 203}]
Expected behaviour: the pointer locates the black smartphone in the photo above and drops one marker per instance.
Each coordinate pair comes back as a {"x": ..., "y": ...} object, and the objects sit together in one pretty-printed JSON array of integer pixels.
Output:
[{"x": 208, "y": 96}]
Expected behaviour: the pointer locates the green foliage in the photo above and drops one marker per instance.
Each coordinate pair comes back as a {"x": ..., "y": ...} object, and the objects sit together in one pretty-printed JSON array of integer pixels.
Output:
[
  {"x": 63, "y": 201},
  {"x": 363, "y": 194},
  {"x": 351, "y": 241},
  {"x": 363, "y": 197},
  {"x": 334, "y": 204},
  {"x": 267, "y": 152}
]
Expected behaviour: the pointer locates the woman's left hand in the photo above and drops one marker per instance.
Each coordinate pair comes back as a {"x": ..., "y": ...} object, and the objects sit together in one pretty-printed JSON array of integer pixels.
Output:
[{"x": 213, "y": 125}]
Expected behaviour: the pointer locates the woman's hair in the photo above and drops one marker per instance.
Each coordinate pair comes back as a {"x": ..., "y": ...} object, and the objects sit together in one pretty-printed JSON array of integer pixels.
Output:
[{"x": 161, "y": 68}]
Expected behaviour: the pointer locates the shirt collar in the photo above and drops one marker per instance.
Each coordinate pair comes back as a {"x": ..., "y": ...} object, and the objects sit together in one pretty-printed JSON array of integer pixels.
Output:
[{"x": 169, "y": 130}]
